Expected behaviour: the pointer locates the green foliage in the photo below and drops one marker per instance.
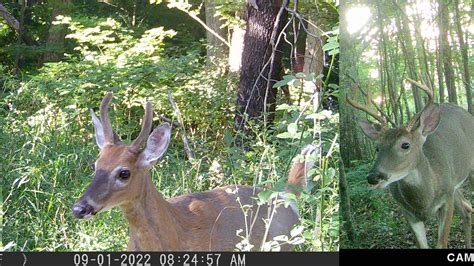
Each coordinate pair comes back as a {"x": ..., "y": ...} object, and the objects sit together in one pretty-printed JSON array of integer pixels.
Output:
[
  {"x": 47, "y": 141},
  {"x": 378, "y": 220},
  {"x": 332, "y": 44},
  {"x": 227, "y": 11}
]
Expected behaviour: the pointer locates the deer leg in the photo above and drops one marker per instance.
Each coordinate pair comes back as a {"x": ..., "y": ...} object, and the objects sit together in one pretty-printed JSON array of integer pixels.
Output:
[
  {"x": 445, "y": 216},
  {"x": 465, "y": 208},
  {"x": 418, "y": 228}
]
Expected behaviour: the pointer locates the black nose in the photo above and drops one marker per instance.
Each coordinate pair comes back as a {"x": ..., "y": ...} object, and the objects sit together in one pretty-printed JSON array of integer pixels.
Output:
[
  {"x": 79, "y": 210},
  {"x": 374, "y": 178}
]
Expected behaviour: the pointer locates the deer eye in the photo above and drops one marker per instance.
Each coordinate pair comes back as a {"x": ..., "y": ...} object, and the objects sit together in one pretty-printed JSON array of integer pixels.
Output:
[
  {"x": 124, "y": 174},
  {"x": 405, "y": 146}
]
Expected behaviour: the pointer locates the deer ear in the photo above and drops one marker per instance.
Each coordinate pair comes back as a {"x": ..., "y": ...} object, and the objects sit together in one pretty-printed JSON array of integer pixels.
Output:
[
  {"x": 429, "y": 120},
  {"x": 99, "y": 131},
  {"x": 370, "y": 130},
  {"x": 156, "y": 145}
]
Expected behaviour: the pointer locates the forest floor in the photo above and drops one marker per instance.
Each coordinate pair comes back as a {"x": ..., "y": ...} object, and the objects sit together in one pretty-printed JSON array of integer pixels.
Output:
[{"x": 379, "y": 222}]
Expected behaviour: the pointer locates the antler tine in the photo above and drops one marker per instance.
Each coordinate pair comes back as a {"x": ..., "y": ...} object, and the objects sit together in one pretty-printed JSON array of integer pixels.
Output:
[
  {"x": 105, "y": 120},
  {"x": 430, "y": 101},
  {"x": 367, "y": 110},
  {"x": 146, "y": 127},
  {"x": 424, "y": 88}
]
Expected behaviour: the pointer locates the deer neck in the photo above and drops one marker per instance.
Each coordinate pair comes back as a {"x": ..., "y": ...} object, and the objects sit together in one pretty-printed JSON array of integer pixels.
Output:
[
  {"x": 416, "y": 191},
  {"x": 152, "y": 222},
  {"x": 422, "y": 175}
]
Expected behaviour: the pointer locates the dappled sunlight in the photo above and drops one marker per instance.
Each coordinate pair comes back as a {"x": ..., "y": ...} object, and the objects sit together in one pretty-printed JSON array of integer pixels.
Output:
[
  {"x": 378, "y": 100},
  {"x": 357, "y": 18}
]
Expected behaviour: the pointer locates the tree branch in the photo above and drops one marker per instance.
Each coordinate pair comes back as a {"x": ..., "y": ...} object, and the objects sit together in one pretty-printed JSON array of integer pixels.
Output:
[
  {"x": 184, "y": 137},
  {"x": 14, "y": 24}
]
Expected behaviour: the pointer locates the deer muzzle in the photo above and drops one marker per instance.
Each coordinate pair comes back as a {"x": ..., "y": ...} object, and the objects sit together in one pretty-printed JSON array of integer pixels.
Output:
[
  {"x": 374, "y": 177},
  {"x": 82, "y": 210}
]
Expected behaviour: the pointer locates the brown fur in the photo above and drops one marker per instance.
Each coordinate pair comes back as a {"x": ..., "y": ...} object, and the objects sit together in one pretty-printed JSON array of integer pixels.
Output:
[
  {"x": 296, "y": 177},
  {"x": 205, "y": 221},
  {"x": 298, "y": 174}
]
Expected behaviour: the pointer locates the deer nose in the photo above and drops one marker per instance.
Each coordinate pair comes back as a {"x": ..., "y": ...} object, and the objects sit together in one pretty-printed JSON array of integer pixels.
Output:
[
  {"x": 79, "y": 210},
  {"x": 374, "y": 178}
]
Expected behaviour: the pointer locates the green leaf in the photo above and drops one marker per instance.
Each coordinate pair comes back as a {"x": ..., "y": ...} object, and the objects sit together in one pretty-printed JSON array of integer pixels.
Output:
[
  {"x": 334, "y": 86},
  {"x": 280, "y": 185},
  {"x": 334, "y": 52},
  {"x": 264, "y": 195},
  {"x": 331, "y": 173},
  {"x": 281, "y": 238},
  {"x": 296, "y": 83},
  {"x": 297, "y": 231},
  {"x": 289, "y": 77},
  {"x": 290, "y": 196},
  {"x": 283, "y": 107},
  {"x": 227, "y": 137},
  {"x": 300, "y": 75},
  {"x": 332, "y": 39},
  {"x": 286, "y": 79},
  {"x": 280, "y": 83},
  {"x": 310, "y": 77},
  {"x": 286, "y": 135},
  {"x": 330, "y": 46},
  {"x": 292, "y": 128}
]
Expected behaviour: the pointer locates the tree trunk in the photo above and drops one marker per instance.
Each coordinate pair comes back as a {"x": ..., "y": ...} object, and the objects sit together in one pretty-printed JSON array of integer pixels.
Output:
[
  {"x": 465, "y": 58},
  {"x": 386, "y": 69},
  {"x": 57, "y": 33},
  {"x": 14, "y": 24},
  {"x": 410, "y": 57},
  {"x": 439, "y": 71},
  {"x": 446, "y": 51},
  {"x": 422, "y": 58},
  {"x": 346, "y": 212},
  {"x": 350, "y": 145},
  {"x": 18, "y": 52},
  {"x": 216, "y": 50},
  {"x": 261, "y": 64},
  {"x": 314, "y": 54},
  {"x": 236, "y": 49},
  {"x": 237, "y": 33}
]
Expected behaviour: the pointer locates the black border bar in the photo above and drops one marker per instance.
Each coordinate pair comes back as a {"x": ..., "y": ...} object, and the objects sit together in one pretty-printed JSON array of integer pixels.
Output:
[
  {"x": 170, "y": 258},
  {"x": 351, "y": 257}
]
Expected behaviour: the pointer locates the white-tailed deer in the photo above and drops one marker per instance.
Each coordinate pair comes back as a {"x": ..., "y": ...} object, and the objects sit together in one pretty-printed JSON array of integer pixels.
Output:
[
  {"x": 424, "y": 164},
  {"x": 205, "y": 221}
]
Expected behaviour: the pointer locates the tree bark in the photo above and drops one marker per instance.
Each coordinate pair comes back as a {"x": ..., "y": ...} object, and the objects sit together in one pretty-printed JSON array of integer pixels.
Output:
[
  {"x": 409, "y": 55},
  {"x": 386, "y": 69},
  {"x": 261, "y": 64},
  {"x": 216, "y": 50},
  {"x": 465, "y": 58},
  {"x": 18, "y": 52},
  {"x": 346, "y": 212},
  {"x": 57, "y": 33},
  {"x": 446, "y": 51},
  {"x": 236, "y": 49},
  {"x": 14, "y": 24},
  {"x": 351, "y": 148},
  {"x": 314, "y": 54},
  {"x": 439, "y": 71}
]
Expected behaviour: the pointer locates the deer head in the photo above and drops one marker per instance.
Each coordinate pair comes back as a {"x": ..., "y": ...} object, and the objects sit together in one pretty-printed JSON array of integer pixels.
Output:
[
  {"x": 122, "y": 170},
  {"x": 398, "y": 149}
]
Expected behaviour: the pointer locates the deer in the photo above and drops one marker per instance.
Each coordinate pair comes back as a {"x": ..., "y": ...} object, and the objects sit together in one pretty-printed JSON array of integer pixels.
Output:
[
  {"x": 201, "y": 221},
  {"x": 424, "y": 164}
]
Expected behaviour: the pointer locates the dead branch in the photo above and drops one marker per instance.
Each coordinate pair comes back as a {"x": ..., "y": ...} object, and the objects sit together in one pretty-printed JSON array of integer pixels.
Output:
[{"x": 184, "y": 137}]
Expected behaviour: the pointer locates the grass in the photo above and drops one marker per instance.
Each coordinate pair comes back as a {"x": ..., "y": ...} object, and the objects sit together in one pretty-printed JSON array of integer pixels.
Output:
[
  {"x": 378, "y": 221},
  {"x": 47, "y": 153}
]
